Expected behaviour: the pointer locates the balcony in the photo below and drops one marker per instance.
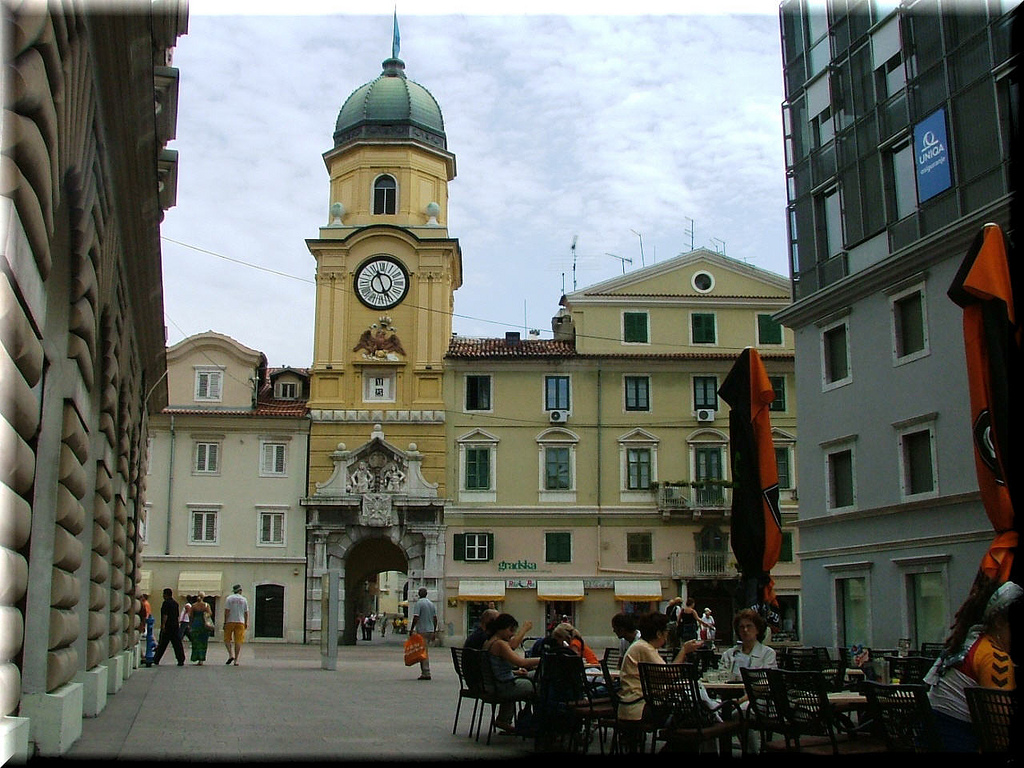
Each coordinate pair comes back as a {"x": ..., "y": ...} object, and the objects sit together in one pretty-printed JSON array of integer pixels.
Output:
[
  {"x": 706, "y": 564},
  {"x": 695, "y": 500}
]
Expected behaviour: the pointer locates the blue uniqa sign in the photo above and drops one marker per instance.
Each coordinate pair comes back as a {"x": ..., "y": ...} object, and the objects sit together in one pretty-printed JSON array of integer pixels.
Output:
[{"x": 931, "y": 156}]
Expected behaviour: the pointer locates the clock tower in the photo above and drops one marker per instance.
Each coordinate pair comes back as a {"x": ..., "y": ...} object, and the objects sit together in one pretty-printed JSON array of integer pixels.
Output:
[{"x": 386, "y": 273}]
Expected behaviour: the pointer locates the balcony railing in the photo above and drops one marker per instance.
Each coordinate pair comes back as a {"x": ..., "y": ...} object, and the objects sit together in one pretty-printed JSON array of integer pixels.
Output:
[
  {"x": 707, "y": 564},
  {"x": 698, "y": 500}
]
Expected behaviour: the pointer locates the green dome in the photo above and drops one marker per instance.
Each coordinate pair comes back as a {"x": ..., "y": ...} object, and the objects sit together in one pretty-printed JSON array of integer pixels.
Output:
[{"x": 391, "y": 107}]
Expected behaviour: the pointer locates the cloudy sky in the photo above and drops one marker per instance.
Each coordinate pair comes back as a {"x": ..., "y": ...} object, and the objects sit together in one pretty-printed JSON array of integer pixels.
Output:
[{"x": 634, "y": 135}]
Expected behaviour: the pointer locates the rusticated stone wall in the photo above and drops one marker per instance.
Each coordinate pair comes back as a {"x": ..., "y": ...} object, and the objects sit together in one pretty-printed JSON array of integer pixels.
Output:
[{"x": 81, "y": 332}]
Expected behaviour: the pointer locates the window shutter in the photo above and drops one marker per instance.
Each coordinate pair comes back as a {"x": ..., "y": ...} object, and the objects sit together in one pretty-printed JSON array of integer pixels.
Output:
[
  {"x": 490, "y": 546},
  {"x": 460, "y": 547},
  {"x": 211, "y": 457},
  {"x": 211, "y": 526}
]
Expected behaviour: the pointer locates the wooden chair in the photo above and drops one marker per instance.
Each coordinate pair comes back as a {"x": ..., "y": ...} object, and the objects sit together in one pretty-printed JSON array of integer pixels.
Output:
[
  {"x": 903, "y": 715},
  {"x": 465, "y": 691},
  {"x": 908, "y": 669},
  {"x": 677, "y": 712},
  {"x": 765, "y": 707},
  {"x": 993, "y": 716},
  {"x": 810, "y": 718}
]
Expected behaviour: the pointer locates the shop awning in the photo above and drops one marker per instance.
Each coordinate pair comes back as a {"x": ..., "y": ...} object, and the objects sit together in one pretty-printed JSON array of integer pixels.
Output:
[
  {"x": 638, "y": 590},
  {"x": 194, "y": 582},
  {"x": 144, "y": 587},
  {"x": 567, "y": 590},
  {"x": 480, "y": 591}
]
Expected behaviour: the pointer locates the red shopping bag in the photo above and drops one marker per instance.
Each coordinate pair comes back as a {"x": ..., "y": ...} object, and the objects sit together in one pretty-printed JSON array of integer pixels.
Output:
[{"x": 415, "y": 649}]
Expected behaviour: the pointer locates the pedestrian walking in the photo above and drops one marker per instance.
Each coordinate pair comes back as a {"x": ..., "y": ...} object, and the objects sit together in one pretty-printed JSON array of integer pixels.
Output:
[
  {"x": 424, "y": 620},
  {"x": 201, "y": 620},
  {"x": 236, "y": 622},
  {"x": 169, "y": 630}
]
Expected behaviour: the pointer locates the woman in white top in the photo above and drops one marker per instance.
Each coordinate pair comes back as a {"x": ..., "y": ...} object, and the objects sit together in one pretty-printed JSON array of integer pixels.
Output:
[{"x": 749, "y": 652}]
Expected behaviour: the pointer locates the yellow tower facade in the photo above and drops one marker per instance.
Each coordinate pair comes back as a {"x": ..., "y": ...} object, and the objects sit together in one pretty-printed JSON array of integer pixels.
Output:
[{"x": 386, "y": 273}]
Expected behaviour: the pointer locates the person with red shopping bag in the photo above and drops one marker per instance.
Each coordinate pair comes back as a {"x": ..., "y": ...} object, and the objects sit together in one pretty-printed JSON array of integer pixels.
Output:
[{"x": 424, "y": 623}]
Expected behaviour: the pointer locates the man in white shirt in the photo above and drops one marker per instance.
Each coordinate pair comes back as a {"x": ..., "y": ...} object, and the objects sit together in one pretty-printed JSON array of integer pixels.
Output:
[
  {"x": 236, "y": 621},
  {"x": 424, "y": 622}
]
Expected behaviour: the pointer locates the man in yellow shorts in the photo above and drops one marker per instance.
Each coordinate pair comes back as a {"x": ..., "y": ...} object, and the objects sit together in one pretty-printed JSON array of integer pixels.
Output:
[{"x": 236, "y": 621}]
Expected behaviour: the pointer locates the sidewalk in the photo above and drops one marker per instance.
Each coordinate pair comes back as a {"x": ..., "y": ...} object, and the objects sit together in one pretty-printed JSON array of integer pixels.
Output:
[{"x": 278, "y": 704}]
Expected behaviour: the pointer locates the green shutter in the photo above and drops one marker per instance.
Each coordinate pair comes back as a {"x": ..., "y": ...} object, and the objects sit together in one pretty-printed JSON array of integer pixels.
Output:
[
  {"x": 460, "y": 547},
  {"x": 768, "y": 331},
  {"x": 490, "y": 546},
  {"x": 634, "y": 327}
]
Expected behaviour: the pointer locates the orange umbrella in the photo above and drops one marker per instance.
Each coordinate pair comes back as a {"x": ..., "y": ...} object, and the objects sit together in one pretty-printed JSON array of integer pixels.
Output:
[{"x": 992, "y": 339}]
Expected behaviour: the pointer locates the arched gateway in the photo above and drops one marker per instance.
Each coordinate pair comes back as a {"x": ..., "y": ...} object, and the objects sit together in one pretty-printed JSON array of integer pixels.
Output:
[{"x": 375, "y": 513}]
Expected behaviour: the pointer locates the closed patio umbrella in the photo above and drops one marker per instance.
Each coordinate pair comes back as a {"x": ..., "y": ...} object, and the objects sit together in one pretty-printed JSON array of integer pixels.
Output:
[{"x": 756, "y": 528}]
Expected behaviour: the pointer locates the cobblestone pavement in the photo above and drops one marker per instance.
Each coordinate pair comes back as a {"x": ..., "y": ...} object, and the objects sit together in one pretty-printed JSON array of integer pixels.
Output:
[{"x": 278, "y": 704}]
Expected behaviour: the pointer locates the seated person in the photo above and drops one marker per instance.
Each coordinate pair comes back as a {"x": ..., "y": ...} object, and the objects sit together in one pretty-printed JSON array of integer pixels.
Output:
[
  {"x": 749, "y": 652},
  {"x": 567, "y": 635},
  {"x": 479, "y": 634},
  {"x": 624, "y": 627},
  {"x": 653, "y": 628},
  {"x": 511, "y": 670}
]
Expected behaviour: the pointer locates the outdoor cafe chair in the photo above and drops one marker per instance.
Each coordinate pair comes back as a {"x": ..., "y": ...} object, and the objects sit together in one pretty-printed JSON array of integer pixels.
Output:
[
  {"x": 565, "y": 713},
  {"x": 477, "y": 662},
  {"x": 811, "y": 720},
  {"x": 903, "y": 715},
  {"x": 908, "y": 669},
  {"x": 993, "y": 713},
  {"x": 676, "y": 710},
  {"x": 627, "y": 735},
  {"x": 465, "y": 690},
  {"x": 764, "y": 708}
]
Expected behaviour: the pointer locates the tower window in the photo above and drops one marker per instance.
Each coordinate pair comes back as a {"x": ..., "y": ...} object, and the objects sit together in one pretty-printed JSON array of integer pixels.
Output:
[{"x": 385, "y": 195}]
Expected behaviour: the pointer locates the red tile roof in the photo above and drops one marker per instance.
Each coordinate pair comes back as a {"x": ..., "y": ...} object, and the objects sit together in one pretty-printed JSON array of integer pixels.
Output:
[{"x": 468, "y": 348}]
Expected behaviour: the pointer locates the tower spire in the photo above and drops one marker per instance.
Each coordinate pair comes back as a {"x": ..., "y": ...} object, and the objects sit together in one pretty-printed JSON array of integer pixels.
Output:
[{"x": 396, "y": 39}]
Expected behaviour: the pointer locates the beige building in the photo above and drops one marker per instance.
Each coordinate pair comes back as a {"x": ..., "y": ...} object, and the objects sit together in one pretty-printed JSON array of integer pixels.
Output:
[
  {"x": 227, "y": 466},
  {"x": 589, "y": 474},
  {"x": 89, "y": 106}
]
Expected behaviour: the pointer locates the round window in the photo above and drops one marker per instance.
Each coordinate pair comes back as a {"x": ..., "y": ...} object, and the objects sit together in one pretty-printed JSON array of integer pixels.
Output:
[{"x": 703, "y": 282}]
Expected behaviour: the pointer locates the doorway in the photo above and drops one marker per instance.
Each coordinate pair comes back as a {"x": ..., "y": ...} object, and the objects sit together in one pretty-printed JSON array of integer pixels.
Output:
[{"x": 269, "y": 611}]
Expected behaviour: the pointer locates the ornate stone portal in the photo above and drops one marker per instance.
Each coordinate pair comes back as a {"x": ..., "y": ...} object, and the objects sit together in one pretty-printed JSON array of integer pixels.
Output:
[{"x": 375, "y": 498}]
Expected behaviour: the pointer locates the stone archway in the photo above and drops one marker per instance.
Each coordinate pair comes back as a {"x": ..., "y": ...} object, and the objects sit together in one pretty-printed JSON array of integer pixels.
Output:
[{"x": 363, "y": 559}]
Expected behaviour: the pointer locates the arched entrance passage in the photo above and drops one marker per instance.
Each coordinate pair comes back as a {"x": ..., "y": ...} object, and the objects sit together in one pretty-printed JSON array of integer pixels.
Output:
[{"x": 364, "y": 561}]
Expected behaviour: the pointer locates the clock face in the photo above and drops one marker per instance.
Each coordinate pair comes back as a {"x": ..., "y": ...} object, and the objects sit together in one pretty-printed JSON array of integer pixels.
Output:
[{"x": 381, "y": 282}]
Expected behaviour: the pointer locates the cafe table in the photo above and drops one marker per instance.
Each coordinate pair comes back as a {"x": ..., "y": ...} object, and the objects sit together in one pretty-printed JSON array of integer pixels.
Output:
[{"x": 724, "y": 690}]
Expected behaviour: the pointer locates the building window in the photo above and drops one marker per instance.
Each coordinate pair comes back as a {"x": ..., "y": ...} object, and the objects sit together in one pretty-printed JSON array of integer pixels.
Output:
[
  {"x": 779, "y": 387},
  {"x": 207, "y": 458},
  {"x": 385, "y": 195},
  {"x": 902, "y": 186},
  {"x": 830, "y": 224},
  {"x": 840, "y": 477},
  {"x": 768, "y": 331},
  {"x": 558, "y": 547},
  {"x": 835, "y": 355},
  {"x": 474, "y": 547},
  {"x": 702, "y": 282},
  {"x": 909, "y": 326},
  {"x": 478, "y": 469},
  {"x": 702, "y": 328},
  {"x": 786, "y": 554},
  {"x": 556, "y": 393},
  {"x": 639, "y": 548},
  {"x": 209, "y": 384},
  {"x": 271, "y": 528},
  {"x": 917, "y": 460},
  {"x": 852, "y": 611},
  {"x": 638, "y": 393},
  {"x": 379, "y": 386},
  {"x": 287, "y": 390},
  {"x": 273, "y": 459},
  {"x": 557, "y": 468},
  {"x": 635, "y": 328},
  {"x": 705, "y": 392},
  {"x": 204, "y": 527},
  {"x": 477, "y": 456},
  {"x": 708, "y": 474},
  {"x": 478, "y": 393},
  {"x": 783, "y": 467},
  {"x": 638, "y": 469}
]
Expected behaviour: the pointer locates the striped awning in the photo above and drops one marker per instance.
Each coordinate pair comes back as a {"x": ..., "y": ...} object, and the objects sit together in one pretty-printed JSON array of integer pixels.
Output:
[
  {"x": 481, "y": 590},
  {"x": 144, "y": 587},
  {"x": 567, "y": 590},
  {"x": 638, "y": 590},
  {"x": 194, "y": 582}
]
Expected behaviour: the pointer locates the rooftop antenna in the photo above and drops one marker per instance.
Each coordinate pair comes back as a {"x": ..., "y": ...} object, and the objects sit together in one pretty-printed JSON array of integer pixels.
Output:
[
  {"x": 641, "y": 246},
  {"x": 715, "y": 241},
  {"x": 689, "y": 231},
  {"x": 623, "y": 259},
  {"x": 573, "y": 249}
]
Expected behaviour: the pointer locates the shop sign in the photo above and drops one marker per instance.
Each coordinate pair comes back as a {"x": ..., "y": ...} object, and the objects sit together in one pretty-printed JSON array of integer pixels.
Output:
[
  {"x": 931, "y": 156},
  {"x": 518, "y": 565}
]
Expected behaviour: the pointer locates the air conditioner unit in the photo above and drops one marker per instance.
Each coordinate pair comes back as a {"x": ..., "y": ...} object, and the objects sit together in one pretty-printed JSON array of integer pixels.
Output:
[
  {"x": 705, "y": 414},
  {"x": 558, "y": 417}
]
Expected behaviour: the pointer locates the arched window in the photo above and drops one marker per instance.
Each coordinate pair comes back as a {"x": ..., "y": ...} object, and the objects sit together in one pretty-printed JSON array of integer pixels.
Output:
[{"x": 385, "y": 195}]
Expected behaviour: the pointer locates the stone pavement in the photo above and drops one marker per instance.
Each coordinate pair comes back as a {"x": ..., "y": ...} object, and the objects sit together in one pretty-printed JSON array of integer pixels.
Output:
[{"x": 278, "y": 704}]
